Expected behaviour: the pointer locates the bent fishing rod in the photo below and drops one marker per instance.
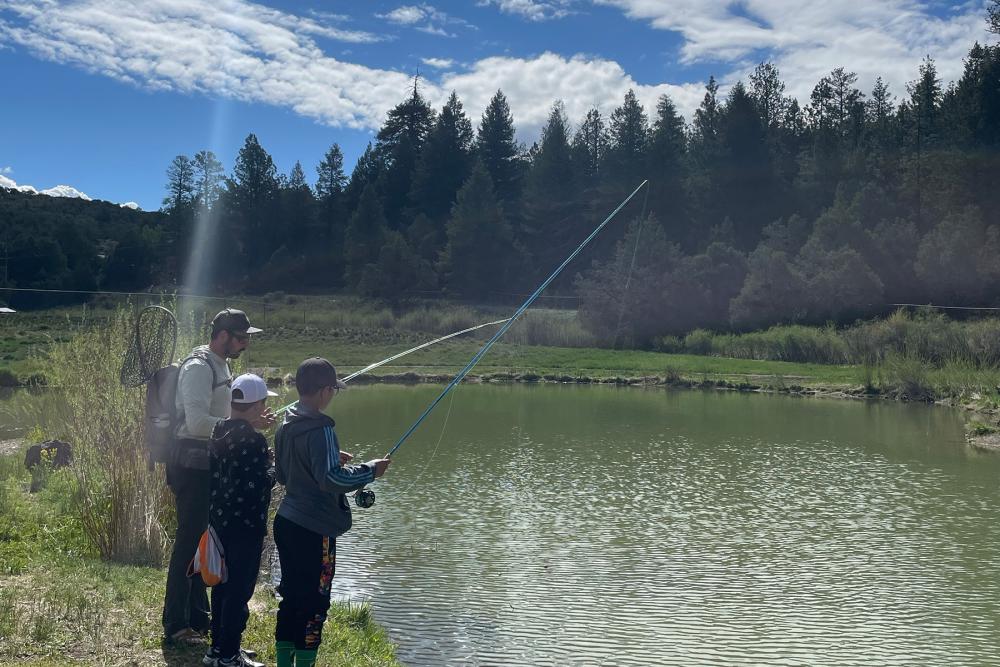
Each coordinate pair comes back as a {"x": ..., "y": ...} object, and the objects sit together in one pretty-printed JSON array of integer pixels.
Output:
[
  {"x": 366, "y": 497},
  {"x": 371, "y": 367}
]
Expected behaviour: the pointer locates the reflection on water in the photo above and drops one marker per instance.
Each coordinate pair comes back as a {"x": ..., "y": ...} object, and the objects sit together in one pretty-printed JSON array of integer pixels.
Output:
[
  {"x": 595, "y": 526},
  {"x": 550, "y": 525}
]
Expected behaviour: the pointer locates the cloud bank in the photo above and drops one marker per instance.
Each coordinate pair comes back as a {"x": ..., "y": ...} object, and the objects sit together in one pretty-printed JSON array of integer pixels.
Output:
[{"x": 249, "y": 52}]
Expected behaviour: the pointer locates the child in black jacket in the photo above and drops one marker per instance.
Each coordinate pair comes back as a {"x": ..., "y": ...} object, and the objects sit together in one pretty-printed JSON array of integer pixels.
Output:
[
  {"x": 242, "y": 478},
  {"x": 314, "y": 511}
]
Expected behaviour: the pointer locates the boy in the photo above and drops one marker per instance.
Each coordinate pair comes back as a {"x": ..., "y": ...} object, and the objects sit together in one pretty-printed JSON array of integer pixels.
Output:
[
  {"x": 313, "y": 512},
  {"x": 242, "y": 478}
]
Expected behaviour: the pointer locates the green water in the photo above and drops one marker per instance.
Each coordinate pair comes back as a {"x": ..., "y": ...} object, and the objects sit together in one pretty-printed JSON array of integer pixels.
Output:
[
  {"x": 569, "y": 525},
  {"x": 599, "y": 526}
]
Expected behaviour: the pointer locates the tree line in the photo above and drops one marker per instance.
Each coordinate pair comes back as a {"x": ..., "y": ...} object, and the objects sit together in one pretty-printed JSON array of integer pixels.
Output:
[{"x": 760, "y": 210}]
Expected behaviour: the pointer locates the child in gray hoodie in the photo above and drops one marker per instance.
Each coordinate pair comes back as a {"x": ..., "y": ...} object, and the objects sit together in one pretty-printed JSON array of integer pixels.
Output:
[{"x": 314, "y": 511}]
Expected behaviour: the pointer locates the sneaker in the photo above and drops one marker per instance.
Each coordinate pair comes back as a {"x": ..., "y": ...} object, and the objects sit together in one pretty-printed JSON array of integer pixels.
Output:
[
  {"x": 213, "y": 656},
  {"x": 238, "y": 660}
]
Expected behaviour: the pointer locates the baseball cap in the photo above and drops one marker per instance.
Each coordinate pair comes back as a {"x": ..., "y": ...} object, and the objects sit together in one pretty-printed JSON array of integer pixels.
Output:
[
  {"x": 252, "y": 388},
  {"x": 234, "y": 320},
  {"x": 315, "y": 373}
]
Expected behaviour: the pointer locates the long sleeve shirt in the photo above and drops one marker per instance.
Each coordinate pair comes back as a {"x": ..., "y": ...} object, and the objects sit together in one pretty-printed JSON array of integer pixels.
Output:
[{"x": 203, "y": 399}]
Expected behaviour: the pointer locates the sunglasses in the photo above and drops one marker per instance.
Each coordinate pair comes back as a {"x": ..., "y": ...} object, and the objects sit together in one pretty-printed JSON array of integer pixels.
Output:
[{"x": 241, "y": 337}]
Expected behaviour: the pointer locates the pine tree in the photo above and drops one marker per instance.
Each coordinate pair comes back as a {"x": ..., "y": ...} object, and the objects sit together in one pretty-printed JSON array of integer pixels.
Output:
[
  {"x": 444, "y": 163},
  {"x": 768, "y": 93},
  {"x": 667, "y": 150},
  {"x": 209, "y": 176},
  {"x": 330, "y": 194},
  {"x": 879, "y": 113},
  {"x": 299, "y": 212},
  {"x": 746, "y": 187},
  {"x": 551, "y": 210},
  {"x": 180, "y": 185},
  {"x": 253, "y": 191},
  {"x": 363, "y": 236},
  {"x": 628, "y": 134},
  {"x": 398, "y": 147},
  {"x": 477, "y": 257},
  {"x": 366, "y": 172},
  {"x": 498, "y": 151},
  {"x": 590, "y": 144}
]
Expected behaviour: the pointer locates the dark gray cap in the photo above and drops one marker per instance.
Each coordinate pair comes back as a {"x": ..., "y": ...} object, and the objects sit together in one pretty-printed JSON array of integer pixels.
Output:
[
  {"x": 315, "y": 373},
  {"x": 233, "y": 320}
]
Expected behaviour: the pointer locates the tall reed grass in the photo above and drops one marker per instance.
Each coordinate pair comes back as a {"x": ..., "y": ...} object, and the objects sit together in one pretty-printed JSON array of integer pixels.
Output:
[{"x": 121, "y": 502}]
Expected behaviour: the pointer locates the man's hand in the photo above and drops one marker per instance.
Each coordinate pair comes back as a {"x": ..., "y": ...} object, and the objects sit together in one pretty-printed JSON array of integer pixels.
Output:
[
  {"x": 380, "y": 465},
  {"x": 346, "y": 457},
  {"x": 265, "y": 420}
]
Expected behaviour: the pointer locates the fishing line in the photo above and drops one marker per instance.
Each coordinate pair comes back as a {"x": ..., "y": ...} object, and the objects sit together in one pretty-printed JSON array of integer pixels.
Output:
[
  {"x": 403, "y": 354},
  {"x": 444, "y": 427},
  {"x": 524, "y": 306}
]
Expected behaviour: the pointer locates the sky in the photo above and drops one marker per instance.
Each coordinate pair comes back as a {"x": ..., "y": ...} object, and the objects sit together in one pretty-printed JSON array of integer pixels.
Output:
[{"x": 98, "y": 96}]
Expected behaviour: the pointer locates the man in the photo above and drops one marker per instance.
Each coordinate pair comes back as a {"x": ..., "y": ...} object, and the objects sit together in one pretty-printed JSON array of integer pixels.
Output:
[{"x": 203, "y": 401}]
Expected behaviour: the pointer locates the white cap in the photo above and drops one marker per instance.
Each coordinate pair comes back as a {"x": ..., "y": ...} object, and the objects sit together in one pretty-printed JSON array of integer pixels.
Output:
[{"x": 252, "y": 387}]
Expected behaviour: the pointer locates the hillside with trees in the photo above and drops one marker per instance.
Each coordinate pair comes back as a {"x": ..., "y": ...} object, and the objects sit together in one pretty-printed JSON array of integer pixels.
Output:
[{"x": 761, "y": 210}]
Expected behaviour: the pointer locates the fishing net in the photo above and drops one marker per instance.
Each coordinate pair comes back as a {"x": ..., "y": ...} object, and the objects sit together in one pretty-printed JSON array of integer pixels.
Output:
[{"x": 153, "y": 345}]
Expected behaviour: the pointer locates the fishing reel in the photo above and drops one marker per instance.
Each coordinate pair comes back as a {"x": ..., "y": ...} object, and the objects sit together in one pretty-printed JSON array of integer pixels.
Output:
[{"x": 364, "y": 498}]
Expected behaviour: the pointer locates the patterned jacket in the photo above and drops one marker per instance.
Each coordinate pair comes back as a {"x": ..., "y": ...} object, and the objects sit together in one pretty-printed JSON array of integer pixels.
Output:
[{"x": 242, "y": 478}]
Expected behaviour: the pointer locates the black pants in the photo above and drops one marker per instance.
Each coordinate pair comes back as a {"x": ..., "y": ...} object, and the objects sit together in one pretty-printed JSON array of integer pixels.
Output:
[
  {"x": 308, "y": 562},
  {"x": 229, "y": 600},
  {"x": 186, "y": 602}
]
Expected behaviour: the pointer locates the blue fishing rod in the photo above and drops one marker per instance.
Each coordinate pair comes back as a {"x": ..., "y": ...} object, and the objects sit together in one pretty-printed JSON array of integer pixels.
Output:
[{"x": 366, "y": 497}]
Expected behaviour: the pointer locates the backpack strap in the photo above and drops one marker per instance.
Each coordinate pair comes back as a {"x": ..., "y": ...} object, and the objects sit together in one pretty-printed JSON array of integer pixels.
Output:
[{"x": 204, "y": 357}]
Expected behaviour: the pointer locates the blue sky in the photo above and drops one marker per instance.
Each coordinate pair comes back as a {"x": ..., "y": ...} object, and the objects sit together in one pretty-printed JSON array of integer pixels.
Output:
[{"x": 100, "y": 95}]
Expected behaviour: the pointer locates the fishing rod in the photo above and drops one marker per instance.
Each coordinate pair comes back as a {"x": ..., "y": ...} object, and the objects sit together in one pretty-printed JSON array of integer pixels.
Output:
[
  {"x": 366, "y": 497},
  {"x": 371, "y": 367}
]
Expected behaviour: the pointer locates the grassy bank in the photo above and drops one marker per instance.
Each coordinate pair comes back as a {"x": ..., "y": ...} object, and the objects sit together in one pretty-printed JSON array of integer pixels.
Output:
[
  {"x": 60, "y": 604},
  {"x": 917, "y": 356}
]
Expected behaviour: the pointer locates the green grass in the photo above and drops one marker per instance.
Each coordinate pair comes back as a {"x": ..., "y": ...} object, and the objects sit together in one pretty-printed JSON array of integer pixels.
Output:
[
  {"x": 918, "y": 357},
  {"x": 60, "y": 604}
]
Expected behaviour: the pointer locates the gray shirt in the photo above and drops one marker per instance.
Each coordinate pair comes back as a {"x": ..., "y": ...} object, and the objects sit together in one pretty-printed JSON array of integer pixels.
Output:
[{"x": 200, "y": 404}]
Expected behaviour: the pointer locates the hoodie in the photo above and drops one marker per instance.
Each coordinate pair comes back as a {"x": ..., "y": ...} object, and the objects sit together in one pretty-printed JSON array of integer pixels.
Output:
[
  {"x": 307, "y": 462},
  {"x": 242, "y": 478}
]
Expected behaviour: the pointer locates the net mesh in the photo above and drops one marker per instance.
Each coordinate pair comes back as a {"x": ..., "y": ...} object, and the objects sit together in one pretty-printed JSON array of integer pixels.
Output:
[{"x": 153, "y": 344}]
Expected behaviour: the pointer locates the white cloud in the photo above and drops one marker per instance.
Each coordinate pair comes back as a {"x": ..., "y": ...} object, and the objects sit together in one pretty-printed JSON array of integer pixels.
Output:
[
  {"x": 132, "y": 205},
  {"x": 534, "y": 10},
  {"x": 432, "y": 18},
  {"x": 231, "y": 48},
  {"x": 10, "y": 184},
  {"x": 57, "y": 191},
  {"x": 808, "y": 39},
  {"x": 6, "y": 170},
  {"x": 65, "y": 191},
  {"x": 247, "y": 52},
  {"x": 406, "y": 15},
  {"x": 533, "y": 84},
  {"x": 438, "y": 63}
]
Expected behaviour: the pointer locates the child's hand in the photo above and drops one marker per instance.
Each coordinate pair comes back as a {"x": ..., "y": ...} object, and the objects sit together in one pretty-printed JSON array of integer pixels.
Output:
[
  {"x": 346, "y": 457},
  {"x": 380, "y": 465},
  {"x": 265, "y": 420}
]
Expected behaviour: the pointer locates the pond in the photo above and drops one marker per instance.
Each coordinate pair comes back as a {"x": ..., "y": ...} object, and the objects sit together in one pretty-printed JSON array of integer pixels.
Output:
[
  {"x": 593, "y": 525},
  {"x": 575, "y": 525}
]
